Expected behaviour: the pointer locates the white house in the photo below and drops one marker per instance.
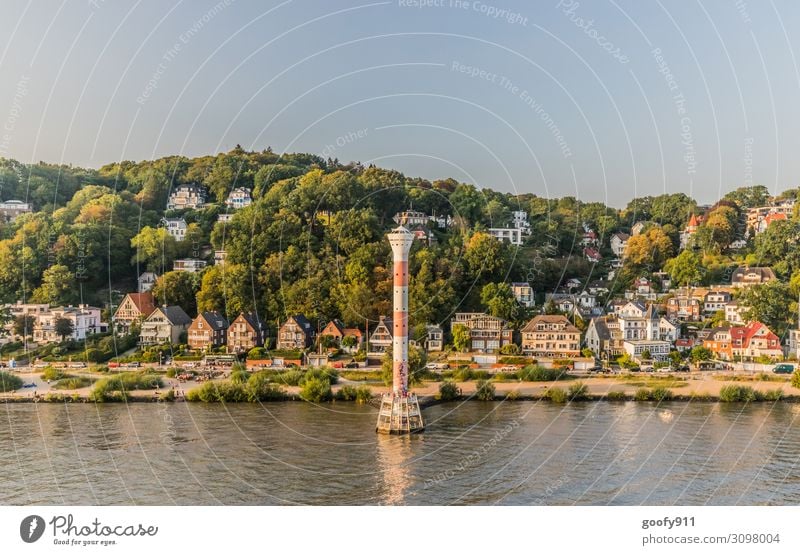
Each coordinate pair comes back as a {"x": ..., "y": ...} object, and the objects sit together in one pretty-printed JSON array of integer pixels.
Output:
[
  {"x": 10, "y": 209},
  {"x": 187, "y": 196},
  {"x": 519, "y": 219},
  {"x": 239, "y": 198},
  {"x": 146, "y": 281},
  {"x": 733, "y": 313},
  {"x": 85, "y": 321},
  {"x": 510, "y": 234},
  {"x": 188, "y": 265},
  {"x": 619, "y": 241},
  {"x": 176, "y": 227}
]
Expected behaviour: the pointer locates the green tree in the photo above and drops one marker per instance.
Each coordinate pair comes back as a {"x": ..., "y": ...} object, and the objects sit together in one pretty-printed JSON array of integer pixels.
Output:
[
  {"x": 23, "y": 325},
  {"x": 749, "y": 197},
  {"x": 770, "y": 303},
  {"x": 155, "y": 249},
  {"x": 63, "y": 328},
  {"x": 178, "y": 288},
  {"x": 685, "y": 269},
  {"x": 58, "y": 286},
  {"x": 499, "y": 300},
  {"x": 700, "y": 353},
  {"x": 460, "y": 334},
  {"x": 649, "y": 249}
]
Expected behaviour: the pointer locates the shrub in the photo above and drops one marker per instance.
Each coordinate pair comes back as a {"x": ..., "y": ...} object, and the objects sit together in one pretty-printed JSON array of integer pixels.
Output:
[
  {"x": 484, "y": 390},
  {"x": 315, "y": 390},
  {"x": 363, "y": 394},
  {"x": 481, "y": 375},
  {"x": 796, "y": 378},
  {"x": 168, "y": 395},
  {"x": 9, "y": 382},
  {"x": 240, "y": 376},
  {"x": 72, "y": 382},
  {"x": 95, "y": 355},
  {"x": 616, "y": 396},
  {"x": 116, "y": 387},
  {"x": 773, "y": 395},
  {"x": 538, "y": 373},
  {"x": 290, "y": 377},
  {"x": 52, "y": 374},
  {"x": 510, "y": 349},
  {"x": 557, "y": 395},
  {"x": 500, "y": 377},
  {"x": 462, "y": 374},
  {"x": 261, "y": 388},
  {"x": 218, "y": 392},
  {"x": 578, "y": 392},
  {"x": 512, "y": 395},
  {"x": 642, "y": 394},
  {"x": 346, "y": 393},
  {"x": 448, "y": 391},
  {"x": 323, "y": 374},
  {"x": 661, "y": 394},
  {"x": 737, "y": 394},
  {"x": 171, "y": 372}
]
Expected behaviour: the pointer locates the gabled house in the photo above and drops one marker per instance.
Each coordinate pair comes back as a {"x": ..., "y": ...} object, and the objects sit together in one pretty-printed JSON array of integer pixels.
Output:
[
  {"x": 592, "y": 254},
  {"x": 733, "y": 312},
  {"x": 337, "y": 331},
  {"x": 246, "y": 332},
  {"x": 487, "y": 334},
  {"x": 604, "y": 337},
  {"x": 146, "y": 281},
  {"x": 523, "y": 293},
  {"x": 207, "y": 331},
  {"x": 164, "y": 325},
  {"x": 619, "y": 241},
  {"x": 747, "y": 342},
  {"x": 295, "y": 333},
  {"x": 638, "y": 227},
  {"x": 715, "y": 300},
  {"x": 684, "y": 308},
  {"x": 176, "y": 227},
  {"x": 133, "y": 309},
  {"x": 551, "y": 336},
  {"x": 434, "y": 338},
  {"x": 380, "y": 340}
]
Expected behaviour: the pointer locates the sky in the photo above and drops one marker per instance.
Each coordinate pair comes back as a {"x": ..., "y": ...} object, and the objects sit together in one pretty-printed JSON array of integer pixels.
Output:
[{"x": 602, "y": 100}]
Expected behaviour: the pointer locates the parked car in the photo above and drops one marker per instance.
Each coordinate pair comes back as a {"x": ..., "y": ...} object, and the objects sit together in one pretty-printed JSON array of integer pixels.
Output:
[
  {"x": 681, "y": 368},
  {"x": 783, "y": 369},
  {"x": 438, "y": 366},
  {"x": 713, "y": 365},
  {"x": 648, "y": 368}
]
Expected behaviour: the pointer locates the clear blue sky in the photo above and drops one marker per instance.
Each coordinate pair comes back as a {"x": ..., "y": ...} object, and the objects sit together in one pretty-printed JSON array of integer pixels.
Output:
[{"x": 574, "y": 99}]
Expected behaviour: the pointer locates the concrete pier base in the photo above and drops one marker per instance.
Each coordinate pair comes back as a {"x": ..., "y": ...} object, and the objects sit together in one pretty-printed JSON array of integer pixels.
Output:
[{"x": 399, "y": 414}]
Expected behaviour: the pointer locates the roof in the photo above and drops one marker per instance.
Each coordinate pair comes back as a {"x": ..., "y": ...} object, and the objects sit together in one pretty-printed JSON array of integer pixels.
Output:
[
  {"x": 214, "y": 319},
  {"x": 550, "y": 319},
  {"x": 145, "y": 303},
  {"x": 764, "y": 273},
  {"x": 622, "y": 236},
  {"x": 601, "y": 327},
  {"x": 301, "y": 321},
  {"x": 355, "y": 332},
  {"x": 175, "y": 315},
  {"x": 252, "y": 319}
]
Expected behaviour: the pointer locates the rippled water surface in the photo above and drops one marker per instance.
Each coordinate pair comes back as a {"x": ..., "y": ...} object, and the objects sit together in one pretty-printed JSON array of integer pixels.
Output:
[{"x": 471, "y": 453}]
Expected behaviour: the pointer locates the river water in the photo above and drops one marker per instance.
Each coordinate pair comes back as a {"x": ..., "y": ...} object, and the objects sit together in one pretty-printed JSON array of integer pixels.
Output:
[{"x": 513, "y": 453}]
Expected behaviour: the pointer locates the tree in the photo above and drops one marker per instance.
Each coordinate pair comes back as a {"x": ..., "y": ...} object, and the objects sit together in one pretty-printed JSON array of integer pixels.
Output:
[
  {"x": 63, "y": 328},
  {"x": 770, "y": 303},
  {"x": 460, "y": 337},
  {"x": 177, "y": 288},
  {"x": 499, "y": 300},
  {"x": 485, "y": 256},
  {"x": 685, "y": 269},
  {"x": 700, "y": 353},
  {"x": 155, "y": 249},
  {"x": 650, "y": 249},
  {"x": 58, "y": 286},
  {"x": 749, "y": 197},
  {"x": 626, "y": 361},
  {"x": 23, "y": 325}
]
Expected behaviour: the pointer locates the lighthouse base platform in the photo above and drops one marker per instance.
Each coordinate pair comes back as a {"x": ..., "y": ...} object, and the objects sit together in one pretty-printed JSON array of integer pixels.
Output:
[{"x": 399, "y": 414}]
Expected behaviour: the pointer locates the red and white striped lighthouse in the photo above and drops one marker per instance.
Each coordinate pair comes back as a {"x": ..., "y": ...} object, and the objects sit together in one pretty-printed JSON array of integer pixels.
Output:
[{"x": 400, "y": 413}]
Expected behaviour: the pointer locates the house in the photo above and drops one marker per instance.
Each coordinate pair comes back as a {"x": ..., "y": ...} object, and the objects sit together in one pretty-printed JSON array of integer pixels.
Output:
[
  {"x": 519, "y": 219},
  {"x": 295, "y": 333},
  {"x": 239, "y": 198},
  {"x": 176, "y": 227},
  {"x": 638, "y": 348},
  {"x": 589, "y": 238},
  {"x": 85, "y": 320},
  {"x": 185, "y": 196},
  {"x": 11, "y": 209},
  {"x": 733, "y": 313},
  {"x": 34, "y": 310},
  {"x": 599, "y": 287},
  {"x": 188, "y": 265},
  {"x": 434, "y": 338},
  {"x": 668, "y": 331},
  {"x": 684, "y": 344},
  {"x": 208, "y": 331},
  {"x": 411, "y": 218},
  {"x": 380, "y": 340},
  {"x": 604, "y": 337},
  {"x": 246, "y": 332},
  {"x": 684, "y": 308},
  {"x": 638, "y": 227},
  {"x": 551, "y": 336},
  {"x": 225, "y": 217},
  {"x": 744, "y": 276},
  {"x": 523, "y": 292},
  {"x": 619, "y": 241},
  {"x": 563, "y": 302},
  {"x": 487, "y": 334},
  {"x": 513, "y": 235},
  {"x": 337, "y": 331},
  {"x": 586, "y": 300},
  {"x": 793, "y": 344},
  {"x": 164, "y": 325},
  {"x": 219, "y": 257},
  {"x": 643, "y": 286},
  {"x": 146, "y": 281},
  {"x": 691, "y": 228},
  {"x": 747, "y": 342},
  {"x": 738, "y": 244},
  {"x": 641, "y": 331},
  {"x": 592, "y": 254},
  {"x": 769, "y": 219},
  {"x": 133, "y": 309},
  {"x": 715, "y": 300}
]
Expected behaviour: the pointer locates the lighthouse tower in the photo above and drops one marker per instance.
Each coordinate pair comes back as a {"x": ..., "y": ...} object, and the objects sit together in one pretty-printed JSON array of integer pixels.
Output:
[{"x": 400, "y": 412}]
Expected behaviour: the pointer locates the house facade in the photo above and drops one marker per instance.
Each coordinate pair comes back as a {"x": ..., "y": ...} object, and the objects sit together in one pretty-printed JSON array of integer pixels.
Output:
[
  {"x": 604, "y": 337},
  {"x": 753, "y": 340},
  {"x": 10, "y": 210},
  {"x": 246, "y": 332},
  {"x": 295, "y": 333},
  {"x": 164, "y": 325},
  {"x": 192, "y": 265},
  {"x": 133, "y": 309},
  {"x": 715, "y": 301},
  {"x": 745, "y": 276},
  {"x": 434, "y": 338},
  {"x": 487, "y": 334},
  {"x": 176, "y": 227},
  {"x": 618, "y": 243},
  {"x": 187, "y": 196},
  {"x": 239, "y": 198},
  {"x": 380, "y": 340},
  {"x": 208, "y": 331},
  {"x": 146, "y": 281},
  {"x": 551, "y": 336},
  {"x": 337, "y": 331},
  {"x": 684, "y": 308},
  {"x": 85, "y": 321}
]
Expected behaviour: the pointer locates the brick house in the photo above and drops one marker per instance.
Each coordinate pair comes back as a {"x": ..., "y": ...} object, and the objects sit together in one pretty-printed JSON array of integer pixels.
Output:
[
  {"x": 746, "y": 342},
  {"x": 246, "y": 332},
  {"x": 295, "y": 333},
  {"x": 208, "y": 331},
  {"x": 336, "y": 330}
]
